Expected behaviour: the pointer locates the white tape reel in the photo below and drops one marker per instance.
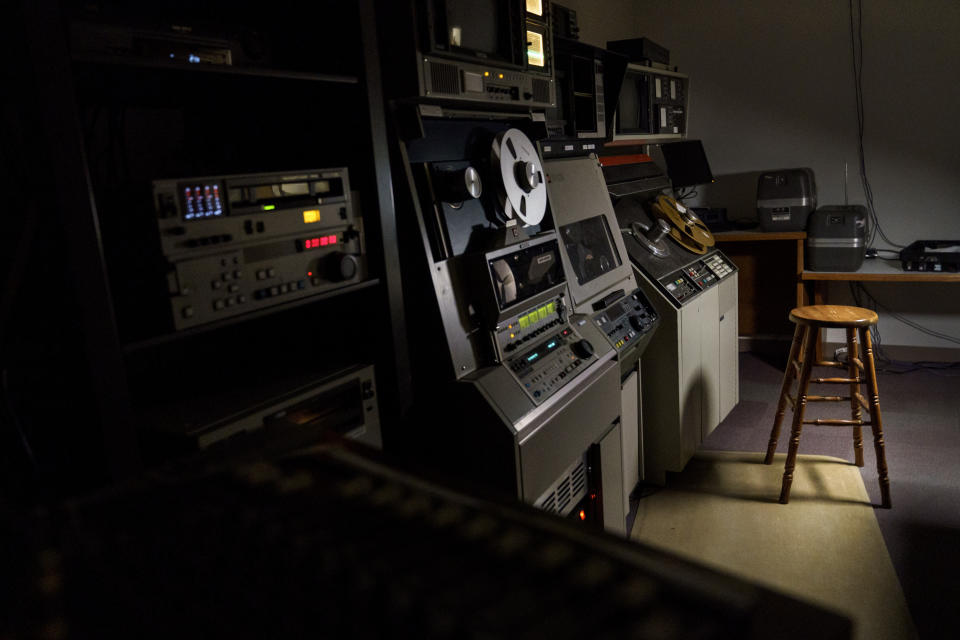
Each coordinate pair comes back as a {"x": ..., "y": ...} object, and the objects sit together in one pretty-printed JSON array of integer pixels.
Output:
[{"x": 522, "y": 190}]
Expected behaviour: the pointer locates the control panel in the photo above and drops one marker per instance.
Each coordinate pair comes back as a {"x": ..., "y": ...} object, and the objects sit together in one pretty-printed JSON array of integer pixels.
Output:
[
  {"x": 240, "y": 243},
  {"x": 625, "y": 321},
  {"x": 542, "y": 350},
  {"x": 697, "y": 276},
  {"x": 701, "y": 275},
  {"x": 680, "y": 286},
  {"x": 550, "y": 363},
  {"x": 716, "y": 263}
]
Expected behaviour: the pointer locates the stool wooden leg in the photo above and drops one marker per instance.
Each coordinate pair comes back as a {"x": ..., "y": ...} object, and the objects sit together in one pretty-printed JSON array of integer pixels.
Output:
[
  {"x": 875, "y": 421},
  {"x": 855, "y": 411},
  {"x": 788, "y": 377},
  {"x": 809, "y": 353}
]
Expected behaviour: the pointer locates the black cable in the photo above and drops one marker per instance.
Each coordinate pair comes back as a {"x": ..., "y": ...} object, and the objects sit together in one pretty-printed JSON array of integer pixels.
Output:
[
  {"x": 856, "y": 43},
  {"x": 900, "y": 366}
]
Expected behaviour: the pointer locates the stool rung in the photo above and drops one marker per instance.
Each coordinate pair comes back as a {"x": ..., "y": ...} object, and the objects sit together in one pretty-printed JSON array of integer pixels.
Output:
[
  {"x": 863, "y": 401},
  {"x": 836, "y": 380},
  {"x": 830, "y": 363},
  {"x": 859, "y": 363},
  {"x": 828, "y": 398},
  {"x": 833, "y": 422}
]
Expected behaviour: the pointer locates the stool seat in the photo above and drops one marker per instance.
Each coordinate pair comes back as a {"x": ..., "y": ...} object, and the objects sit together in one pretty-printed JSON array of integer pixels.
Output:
[
  {"x": 833, "y": 315},
  {"x": 860, "y": 370}
]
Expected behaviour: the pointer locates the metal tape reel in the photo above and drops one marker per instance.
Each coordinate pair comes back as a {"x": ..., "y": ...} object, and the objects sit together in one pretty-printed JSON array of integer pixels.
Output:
[
  {"x": 687, "y": 228},
  {"x": 521, "y": 188}
]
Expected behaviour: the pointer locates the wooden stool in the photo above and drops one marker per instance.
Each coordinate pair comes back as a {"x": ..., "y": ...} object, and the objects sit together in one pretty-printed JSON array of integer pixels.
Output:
[{"x": 809, "y": 321}]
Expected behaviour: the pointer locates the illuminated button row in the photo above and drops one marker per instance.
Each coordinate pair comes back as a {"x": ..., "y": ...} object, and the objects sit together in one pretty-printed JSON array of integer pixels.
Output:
[
  {"x": 533, "y": 334},
  {"x": 279, "y": 290},
  {"x": 536, "y": 315}
]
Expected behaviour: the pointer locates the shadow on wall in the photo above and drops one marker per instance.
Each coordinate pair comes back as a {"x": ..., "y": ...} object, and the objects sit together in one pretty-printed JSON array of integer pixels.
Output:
[{"x": 735, "y": 191}]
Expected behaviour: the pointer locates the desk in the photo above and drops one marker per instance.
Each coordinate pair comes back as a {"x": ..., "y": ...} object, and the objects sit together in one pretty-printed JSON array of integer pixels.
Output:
[
  {"x": 770, "y": 264},
  {"x": 872, "y": 270}
]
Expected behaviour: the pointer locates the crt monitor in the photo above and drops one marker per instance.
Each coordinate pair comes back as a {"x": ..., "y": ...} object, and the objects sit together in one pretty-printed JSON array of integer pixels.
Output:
[{"x": 687, "y": 164}]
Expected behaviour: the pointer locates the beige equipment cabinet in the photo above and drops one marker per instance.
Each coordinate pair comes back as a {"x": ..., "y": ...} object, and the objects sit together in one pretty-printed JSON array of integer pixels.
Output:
[{"x": 690, "y": 375}]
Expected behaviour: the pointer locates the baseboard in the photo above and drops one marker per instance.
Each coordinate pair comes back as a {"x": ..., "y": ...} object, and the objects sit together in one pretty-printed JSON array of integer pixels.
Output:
[{"x": 906, "y": 353}]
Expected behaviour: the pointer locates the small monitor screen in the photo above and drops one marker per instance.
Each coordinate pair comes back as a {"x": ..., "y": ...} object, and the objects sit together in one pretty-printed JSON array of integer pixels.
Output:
[
  {"x": 590, "y": 248},
  {"x": 523, "y": 274},
  {"x": 686, "y": 163},
  {"x": 475, "y": 26},
  {"x": 633, "y": 108}
]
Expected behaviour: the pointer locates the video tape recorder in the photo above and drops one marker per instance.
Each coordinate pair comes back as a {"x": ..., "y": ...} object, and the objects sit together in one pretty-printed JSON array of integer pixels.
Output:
[{"x": 240, "y": 243}]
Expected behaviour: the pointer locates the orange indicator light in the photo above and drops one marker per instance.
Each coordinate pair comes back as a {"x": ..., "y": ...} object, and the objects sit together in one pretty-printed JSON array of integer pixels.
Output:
[
  {"x": 500, "y": 75},
  {"x": 311, "y": 215},
  {"x": 583, "y": 514}
]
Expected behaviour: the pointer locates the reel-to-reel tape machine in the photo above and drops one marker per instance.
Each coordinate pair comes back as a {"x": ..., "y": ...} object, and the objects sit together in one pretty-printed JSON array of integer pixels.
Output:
[
  {"x": 690, "y": 369},
  {"x": 528, "y": 389}
]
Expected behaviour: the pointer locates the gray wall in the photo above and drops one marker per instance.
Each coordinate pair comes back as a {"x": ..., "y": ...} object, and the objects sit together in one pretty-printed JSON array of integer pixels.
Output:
[{"x": 772, "y": 87}]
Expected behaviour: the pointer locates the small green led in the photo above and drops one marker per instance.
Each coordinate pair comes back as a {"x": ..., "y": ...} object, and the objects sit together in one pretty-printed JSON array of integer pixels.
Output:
[{"x": 269, "y": 207}]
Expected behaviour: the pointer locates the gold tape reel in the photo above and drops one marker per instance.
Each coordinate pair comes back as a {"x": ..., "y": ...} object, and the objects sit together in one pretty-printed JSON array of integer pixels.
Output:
[{"x": 685, "y": 227}]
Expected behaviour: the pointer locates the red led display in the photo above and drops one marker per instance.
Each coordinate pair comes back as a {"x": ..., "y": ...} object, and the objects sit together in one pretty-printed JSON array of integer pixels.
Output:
[{"x": 321, "y": 241}]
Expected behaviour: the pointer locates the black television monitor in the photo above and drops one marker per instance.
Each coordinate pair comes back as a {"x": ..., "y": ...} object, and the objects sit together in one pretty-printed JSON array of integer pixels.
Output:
[{"x": 687, "y": 164}]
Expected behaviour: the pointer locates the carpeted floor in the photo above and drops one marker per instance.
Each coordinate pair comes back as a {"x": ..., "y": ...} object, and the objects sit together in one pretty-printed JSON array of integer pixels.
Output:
[
  {"x": 825, "y": 547},
  {"x": 921, "y": 417}
]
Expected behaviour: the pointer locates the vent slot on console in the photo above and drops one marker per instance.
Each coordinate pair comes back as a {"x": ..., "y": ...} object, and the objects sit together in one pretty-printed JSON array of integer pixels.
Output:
[
  {"x": 444, "y": 78},
  {"x": 567, "y": 491},
  {"x": 541, "y": 90}
]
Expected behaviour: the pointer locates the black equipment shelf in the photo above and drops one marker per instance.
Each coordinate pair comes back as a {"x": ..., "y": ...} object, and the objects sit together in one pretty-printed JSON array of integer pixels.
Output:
[
  {"x": 226, "y": 70},
  {"x": 149, "y": 343},
  {"x": 77, "y": 195}
]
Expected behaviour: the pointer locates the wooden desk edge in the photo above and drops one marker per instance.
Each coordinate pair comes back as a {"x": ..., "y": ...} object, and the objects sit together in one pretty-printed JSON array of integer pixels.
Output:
[
  {"x": 854, "y": 276},
  {"x": 758, "y": 236}
]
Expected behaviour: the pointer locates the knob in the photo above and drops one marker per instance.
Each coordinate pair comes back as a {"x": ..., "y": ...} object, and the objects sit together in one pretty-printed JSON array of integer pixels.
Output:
[
  {"x": 659, "y": 229},
  {"x": 459, "y": 185},
  {"x": 527, "y": 176},
  {"x": 583, "y": 348},
  {"x": 341, "y": 266},
  {"x": 636, "y": 321}
]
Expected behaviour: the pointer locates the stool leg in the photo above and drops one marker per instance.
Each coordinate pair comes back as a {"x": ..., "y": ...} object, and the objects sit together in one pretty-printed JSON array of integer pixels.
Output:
[
  {"x": 876, "y": 422},
  {"x": 855, "y": 412},
  {"x": 809, "y": 352},
  {"x": 788, "y": 376}
]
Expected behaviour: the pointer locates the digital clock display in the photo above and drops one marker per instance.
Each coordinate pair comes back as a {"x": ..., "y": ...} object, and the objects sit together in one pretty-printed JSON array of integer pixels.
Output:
[{"x": 316, "y": 242}]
